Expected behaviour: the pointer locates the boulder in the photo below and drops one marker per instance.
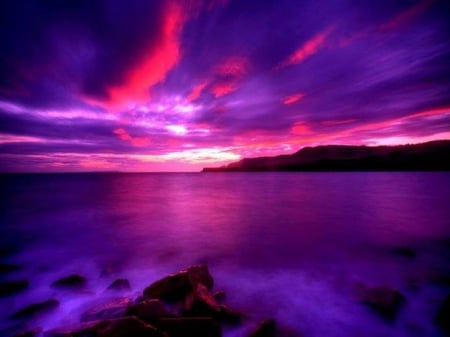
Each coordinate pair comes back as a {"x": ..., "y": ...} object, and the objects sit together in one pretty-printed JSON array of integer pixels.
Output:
[
  {"x": 190, "y": 327},
  {"x": 176, "y": 287},
  {"x": 405, "y": 252},
  {"x": 229, "y": 316},
  {"x": 8, "y": 288},
  {"x": 71, "y": 281},
  {"x": 8, "y": 268},
  {"x": 113, "y": 309},
  {"x": 29, "y": 333},
  {"x": 200, "y": 302},
  {"x": 264, "y": 329},
  {"x": 148, "y": 311},
  {"x": 442, "y": 318},
  {"x": 120, "y": 284},
  {"x": 384, "y": 300},
  {"x": 220, "y": 295},
  {"x": 36, "y": 309},
  {"x": 120, "y": 327}
]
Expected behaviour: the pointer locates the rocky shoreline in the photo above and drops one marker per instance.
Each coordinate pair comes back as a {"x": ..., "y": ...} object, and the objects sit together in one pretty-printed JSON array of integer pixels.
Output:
[{"x": 183, "y": 304}]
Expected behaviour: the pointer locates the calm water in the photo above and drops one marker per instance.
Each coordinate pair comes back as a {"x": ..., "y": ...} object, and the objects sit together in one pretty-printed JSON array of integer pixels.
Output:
[{"x": 293, "y": 246}]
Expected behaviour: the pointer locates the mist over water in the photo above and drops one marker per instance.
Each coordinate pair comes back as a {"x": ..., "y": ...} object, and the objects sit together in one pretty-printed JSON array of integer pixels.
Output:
[{"x": 293, "y": 246}]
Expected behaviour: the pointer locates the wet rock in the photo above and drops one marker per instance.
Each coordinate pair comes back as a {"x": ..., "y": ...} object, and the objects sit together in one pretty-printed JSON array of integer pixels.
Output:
[
  {"x": 229, "y": 316},
  {"x": 8, "y": 268},
  {"x": 442, "y": 318},
  {"x": 384, "y": 300},
  {"x": 190, "y": 327},
  {"x": 71, "y": 281},
  {"x": 148, "y": 311},
  {"x": 176, "y": 287},
  {"x": 30, "y": 333},
  {"x": 219, "y": 295},
  {"x": 264, "y": 329},
  {"x": 120, "y": 284},
  {"x": 200, "y": 302},
  {"x": 404, "y": 252},
  {"x": 35, "y": 310},
  {"x": 13, "y": 287},
  {"x": 113, "y": 309},
  {"x": 121, "y": 327}
]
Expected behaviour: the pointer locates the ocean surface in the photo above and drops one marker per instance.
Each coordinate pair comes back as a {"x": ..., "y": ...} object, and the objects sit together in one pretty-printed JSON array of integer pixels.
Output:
[{"x": 292, "y": 246}]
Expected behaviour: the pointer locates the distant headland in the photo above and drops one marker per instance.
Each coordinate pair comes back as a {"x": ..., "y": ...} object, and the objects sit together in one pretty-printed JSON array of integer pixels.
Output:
[{"x": 430, "y": 156}]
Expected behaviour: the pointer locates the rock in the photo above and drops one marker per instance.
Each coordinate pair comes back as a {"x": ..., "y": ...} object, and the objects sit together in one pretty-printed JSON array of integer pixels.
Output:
[
  {"x": 120, "y": 327},
  {"x": 190, "y": 327},
  {"x": 384, "y": 300},
  {"x": 8, "y": 268},
  {"x": 148, "y": 311},
  {"x": 442, "y": 318},
  {"x": 13, "y": 287},
  {"x": 229, "y": 316},
  {"x": 220, "y": 295},
  {"x": 176, "y": 287},
  {"x": 113, "y": 309},
  {"x": 264, "y": 329},
  {"x": 120, "y": 284},
  {"x": 200, "y": 302},
  {"x": 35, "y": 310},
  {"x": 30, "y": 333},
  {"x": 71, "y": 281},
  {"x": 200, "y": 275},
  {"x": 404, "y": 252}
]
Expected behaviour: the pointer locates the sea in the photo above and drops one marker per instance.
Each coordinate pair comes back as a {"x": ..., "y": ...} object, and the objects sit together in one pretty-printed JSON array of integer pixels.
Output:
[{"x": 296, "y": 247}]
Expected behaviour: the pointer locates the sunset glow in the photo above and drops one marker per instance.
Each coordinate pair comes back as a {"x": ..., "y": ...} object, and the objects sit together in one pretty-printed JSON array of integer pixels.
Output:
[{"x": 173, "y": 85}]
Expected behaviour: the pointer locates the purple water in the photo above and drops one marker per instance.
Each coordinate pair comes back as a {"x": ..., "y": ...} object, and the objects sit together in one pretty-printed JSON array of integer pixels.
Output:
[{"x": 293, "y": 246}]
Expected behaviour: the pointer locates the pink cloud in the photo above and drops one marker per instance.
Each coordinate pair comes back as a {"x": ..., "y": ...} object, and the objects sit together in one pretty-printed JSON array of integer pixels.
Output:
[
  {"x": 122, "y": 134},
  {"x": 197, "y": 91},
  {"x": 407, "y": 15},
  {"x": 224, "y": 88},
  {"x": 157, "y": 63},
  {"x": 236, "y": 66},
  {"x": 309, "y": 48},
  {"x": 291, "y": 99}
]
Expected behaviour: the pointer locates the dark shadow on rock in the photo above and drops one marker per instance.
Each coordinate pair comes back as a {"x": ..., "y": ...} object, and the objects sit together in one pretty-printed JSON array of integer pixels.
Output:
[
  {"x": 36, "y": 309},
  {"x": 190, "y": 327},
  {"x": 112, "y": 309},
  {"x": 264, "y": 329},
  {"x": 405, "y": 252},
  {"x": 384, "y": 300},
  {"x": 120, "y": 284},
  {"x": 72, "y": 281},
  {"x": 8, "y": 288},
  {"x": 442, "y": 318}
]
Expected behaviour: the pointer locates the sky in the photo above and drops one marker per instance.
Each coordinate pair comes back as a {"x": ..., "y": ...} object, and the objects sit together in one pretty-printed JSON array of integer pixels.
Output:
[{"x": 177, "y": 85}]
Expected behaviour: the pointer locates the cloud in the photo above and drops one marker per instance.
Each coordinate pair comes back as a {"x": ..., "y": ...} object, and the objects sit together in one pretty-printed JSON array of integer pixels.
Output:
[
  {"x": 407, "y": 15},
  {"x": 294, "y": 98},
  {"x": 135, "y": 141},
  {"x": 197, "y": 91},
  {"x": 306, "y": 50}
]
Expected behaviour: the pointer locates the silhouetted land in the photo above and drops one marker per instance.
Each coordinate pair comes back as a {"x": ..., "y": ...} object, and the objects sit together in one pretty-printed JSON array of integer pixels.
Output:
[{"x": 431, "y": 156}]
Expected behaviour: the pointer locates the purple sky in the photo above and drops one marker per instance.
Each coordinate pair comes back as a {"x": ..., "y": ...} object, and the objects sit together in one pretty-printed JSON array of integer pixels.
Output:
[{"x": 177, "y": 85}]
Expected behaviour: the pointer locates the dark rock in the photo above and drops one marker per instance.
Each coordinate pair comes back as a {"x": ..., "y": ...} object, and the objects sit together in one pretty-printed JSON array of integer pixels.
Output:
[
  {"x": 148, "y": 311},
  {"x": 190, "y": 327},
  {"x": 200, "y": 302},
  {"x": 265, "y": 329},
  {"x": 229, "y": 316},
  {"x": 13, "y": 287},
  {"x": 120, "y": 284},
  {"x": 442, "y": 318},
  {"x": 404, "y": 252},
  {"x": 71, "y": 281},
  {"x": 176, "y": 287},
  {"x": 121, "y": 327},
  {"x": 30, "y": 333},
  {"x": 220, "y": 295},
  {"x": 8, "y": 268},
  {"x": 384, "y": 300},
  {"x": 113, "y": 309},
  {"x": 35, "y": 310}
]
